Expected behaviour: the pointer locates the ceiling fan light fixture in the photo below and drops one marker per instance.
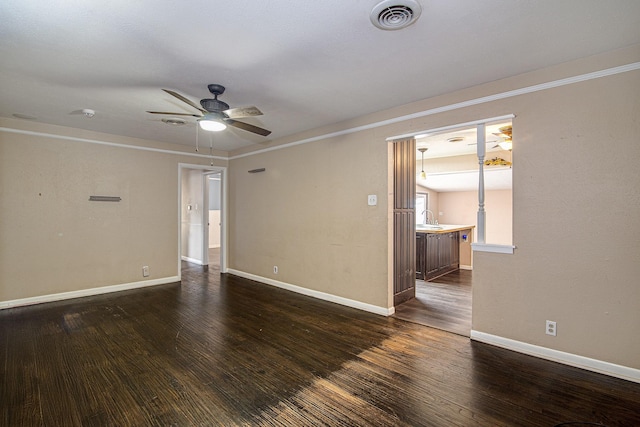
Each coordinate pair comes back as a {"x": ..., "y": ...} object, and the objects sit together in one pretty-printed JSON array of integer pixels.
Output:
[
  {"x": 212, "y": 122},
  {"x": 212, "y": 125},
  {"x": 215, "y": 114}
]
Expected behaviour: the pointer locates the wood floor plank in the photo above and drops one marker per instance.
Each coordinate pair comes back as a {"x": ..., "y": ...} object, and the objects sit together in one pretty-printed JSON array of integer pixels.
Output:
[
  {"x": 443, "y": 303},
  {"x": 221, "y": 350}
]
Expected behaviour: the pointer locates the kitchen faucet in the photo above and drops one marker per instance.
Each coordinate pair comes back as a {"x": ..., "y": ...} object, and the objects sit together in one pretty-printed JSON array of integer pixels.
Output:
[{"x": 433, "y": 221}]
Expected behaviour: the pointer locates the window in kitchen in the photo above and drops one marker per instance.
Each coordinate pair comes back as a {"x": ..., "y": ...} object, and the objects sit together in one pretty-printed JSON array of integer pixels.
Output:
[{"x": 422, "y": 208}]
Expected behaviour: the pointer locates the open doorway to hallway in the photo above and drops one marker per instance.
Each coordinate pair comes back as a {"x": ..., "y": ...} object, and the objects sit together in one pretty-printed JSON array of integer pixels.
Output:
[
  {"x": 214, "y": 202},
  {"x": 202, "y": 216}
]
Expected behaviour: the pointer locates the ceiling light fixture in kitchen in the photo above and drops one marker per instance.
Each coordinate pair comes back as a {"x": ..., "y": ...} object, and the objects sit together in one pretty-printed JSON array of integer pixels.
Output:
[{"x": 423, "y": 174}]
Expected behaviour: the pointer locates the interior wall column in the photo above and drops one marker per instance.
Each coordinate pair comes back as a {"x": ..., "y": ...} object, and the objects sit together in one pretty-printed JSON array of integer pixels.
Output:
[{"x": 481, "y": 150}]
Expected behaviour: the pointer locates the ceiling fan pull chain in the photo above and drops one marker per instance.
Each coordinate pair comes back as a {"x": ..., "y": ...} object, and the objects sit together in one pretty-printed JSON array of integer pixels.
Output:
[
  {"x": 197, "y": 132},
  {"x": 211, "y": 147}
]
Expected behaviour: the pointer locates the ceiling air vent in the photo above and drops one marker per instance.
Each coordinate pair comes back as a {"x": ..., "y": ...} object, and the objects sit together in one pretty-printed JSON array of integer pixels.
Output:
[
  {"x": 395, "y": 14},
  {"x": 174, "y": 122}
]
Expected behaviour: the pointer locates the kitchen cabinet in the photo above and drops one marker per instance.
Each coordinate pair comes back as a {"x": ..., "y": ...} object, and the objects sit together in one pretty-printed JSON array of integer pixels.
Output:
[{"x": 436, "y": 254}]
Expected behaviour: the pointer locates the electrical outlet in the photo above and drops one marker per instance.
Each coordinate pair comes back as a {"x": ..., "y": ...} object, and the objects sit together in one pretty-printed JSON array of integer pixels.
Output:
[
  {"x": 145, "y": 271},
  {"x": 275, "y": 269},
  {"x": 372, "y": 200},
  {"x": 551, "y": 328}
]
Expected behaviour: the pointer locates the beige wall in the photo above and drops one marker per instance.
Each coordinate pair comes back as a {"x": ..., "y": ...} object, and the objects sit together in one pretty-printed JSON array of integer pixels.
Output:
[
  {"x": 575, "y": 210},
  {"x": 576, "y": 225},
  {"x": 53, "y": 240},
  {"x": 308, "y": 215},
  {"x": 461, "y": 207}
]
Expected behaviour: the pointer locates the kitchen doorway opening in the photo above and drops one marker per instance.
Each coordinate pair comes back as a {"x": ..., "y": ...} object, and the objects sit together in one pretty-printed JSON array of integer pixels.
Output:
[{"x": 462, "y": 168}]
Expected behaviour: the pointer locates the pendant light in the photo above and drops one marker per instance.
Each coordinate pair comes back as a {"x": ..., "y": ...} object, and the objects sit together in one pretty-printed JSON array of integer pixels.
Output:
[{"x": 423, "y": 175}]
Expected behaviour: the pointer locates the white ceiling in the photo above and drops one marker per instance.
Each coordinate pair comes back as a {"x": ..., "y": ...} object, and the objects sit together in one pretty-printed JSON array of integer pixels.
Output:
[
  {"x": 460, "y": 142},
  {"x": 440, "y": 144},
  {"x": 305, "y": 64}
]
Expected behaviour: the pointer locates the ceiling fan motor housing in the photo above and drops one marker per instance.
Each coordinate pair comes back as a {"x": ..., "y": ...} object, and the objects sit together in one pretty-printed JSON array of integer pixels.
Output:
[
  {"x": 214, "y": 105},
  {"x": 216, "y": 89}
]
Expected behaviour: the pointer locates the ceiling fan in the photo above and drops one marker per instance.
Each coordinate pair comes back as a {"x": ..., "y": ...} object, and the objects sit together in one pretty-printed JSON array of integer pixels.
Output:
[
  {"x": 505, "y": 132},
  {"x": 215, "y": 115}
]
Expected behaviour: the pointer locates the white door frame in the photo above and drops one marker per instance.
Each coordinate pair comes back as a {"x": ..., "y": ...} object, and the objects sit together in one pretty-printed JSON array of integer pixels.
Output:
[
  {"x": 222, "y": 170},
  {"x": 206, "y": 176}
]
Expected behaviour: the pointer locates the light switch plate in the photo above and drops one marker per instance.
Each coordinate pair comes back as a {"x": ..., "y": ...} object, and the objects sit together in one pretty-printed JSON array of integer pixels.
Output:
[{"x": 372, "y": 200}]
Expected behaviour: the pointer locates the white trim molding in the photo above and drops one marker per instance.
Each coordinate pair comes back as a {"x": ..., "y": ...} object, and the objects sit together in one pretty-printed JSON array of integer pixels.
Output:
[
  {"x": 454, "y": 127},
  {"x": 316, "y": 294},
  {"x": 86, "y": 292},
  {"x": 476, "y": 101},
  {"x": 107, "y": 143},
  {"x": 497, "y": 249},
  {"x": 594, "y": 365}
]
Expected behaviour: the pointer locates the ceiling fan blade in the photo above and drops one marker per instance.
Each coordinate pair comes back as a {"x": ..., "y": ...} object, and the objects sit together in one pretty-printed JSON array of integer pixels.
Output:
[
  {"x": 185, "y": 100},
  {"x": 238, "y": 113},
  {"x": 247, "y": 127},
  {"x": 486, "y": 142},
  {"x": 174, "y": 114}
]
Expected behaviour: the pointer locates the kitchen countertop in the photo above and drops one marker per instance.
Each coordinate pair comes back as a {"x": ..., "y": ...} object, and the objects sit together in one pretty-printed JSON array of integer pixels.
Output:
[{"x": 446, "y": 228}]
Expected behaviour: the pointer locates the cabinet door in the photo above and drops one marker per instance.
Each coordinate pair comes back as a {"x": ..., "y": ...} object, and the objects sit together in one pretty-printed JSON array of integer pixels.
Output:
[
  {"x": 444, "y": 251},
  {"x": 455, "y": 249},
  {"x": 420, "y": 255},
  {"x": 432, "y": 254}
]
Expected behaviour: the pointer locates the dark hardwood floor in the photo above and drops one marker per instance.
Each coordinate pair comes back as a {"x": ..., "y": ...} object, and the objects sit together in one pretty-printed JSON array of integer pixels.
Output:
[
  {"x": 214, "y": 258},
  {"x": 443, "y": 303},
  {"x": 228, "y": 351}
]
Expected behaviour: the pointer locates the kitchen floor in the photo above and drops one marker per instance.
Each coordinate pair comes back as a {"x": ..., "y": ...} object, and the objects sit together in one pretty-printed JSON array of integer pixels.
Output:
[{"x": 442, "y": 303}]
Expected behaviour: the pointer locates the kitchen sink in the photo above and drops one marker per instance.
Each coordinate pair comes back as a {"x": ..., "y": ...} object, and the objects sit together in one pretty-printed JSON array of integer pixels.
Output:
[{"x": 428, "y": 227}]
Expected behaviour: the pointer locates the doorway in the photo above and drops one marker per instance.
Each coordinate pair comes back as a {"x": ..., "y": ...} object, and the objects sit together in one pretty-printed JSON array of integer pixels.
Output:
[
  {"x": 442, "y": 303},
  {"x": 454, "y": 183},
  {"x": 213, "y": 189},
  {"x": 202, "y": 216}
]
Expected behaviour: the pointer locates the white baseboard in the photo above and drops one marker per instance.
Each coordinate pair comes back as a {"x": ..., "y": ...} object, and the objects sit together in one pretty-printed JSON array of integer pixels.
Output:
[
  {"x": 316, "y": 294},
  {"x": 594, "y": 365},
  {"x": 191, "y": 260},
  {"x": 86, "y": 292},
  {"x": 465, "y": 267}
]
